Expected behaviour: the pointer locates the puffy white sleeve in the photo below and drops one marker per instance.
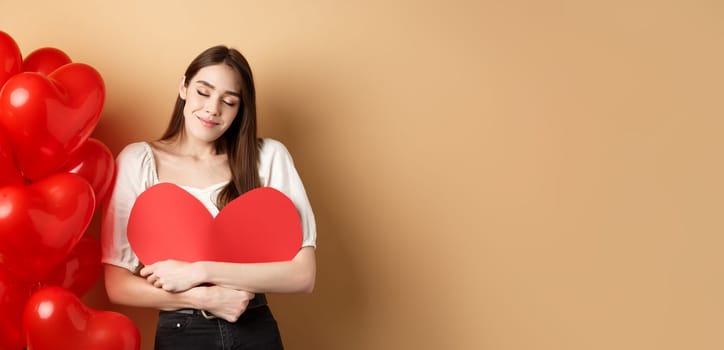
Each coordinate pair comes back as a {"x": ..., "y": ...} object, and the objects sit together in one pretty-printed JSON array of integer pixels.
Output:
[
  {"x": 276, "y": 169},
  {"x": 134, "y": 169}
]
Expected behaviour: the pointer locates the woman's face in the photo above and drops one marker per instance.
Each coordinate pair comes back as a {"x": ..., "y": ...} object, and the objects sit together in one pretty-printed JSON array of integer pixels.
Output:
[{"x": 212, "y": 101}]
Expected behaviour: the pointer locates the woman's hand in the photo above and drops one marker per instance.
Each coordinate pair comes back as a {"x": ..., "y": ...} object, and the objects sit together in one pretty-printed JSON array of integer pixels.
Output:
[
  {"x": 173, "y": 276},
  {"x": 224, "y": 303}
]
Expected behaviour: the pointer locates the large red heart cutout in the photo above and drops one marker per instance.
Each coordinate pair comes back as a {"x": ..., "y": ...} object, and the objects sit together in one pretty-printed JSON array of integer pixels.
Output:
[
  {"x": 48, "y": 117},
  {"x": 166, "y": 222},
  {"x": 41, "y": 223},
  {"x": 54, "y": 318}
]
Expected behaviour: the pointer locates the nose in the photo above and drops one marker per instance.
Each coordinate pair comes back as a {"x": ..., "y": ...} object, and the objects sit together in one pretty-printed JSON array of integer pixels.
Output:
[{"x": 212, "y": 107}]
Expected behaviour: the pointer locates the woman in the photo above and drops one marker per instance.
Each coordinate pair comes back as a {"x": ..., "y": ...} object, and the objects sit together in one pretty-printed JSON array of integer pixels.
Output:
[{"x": 211, "y": 150}]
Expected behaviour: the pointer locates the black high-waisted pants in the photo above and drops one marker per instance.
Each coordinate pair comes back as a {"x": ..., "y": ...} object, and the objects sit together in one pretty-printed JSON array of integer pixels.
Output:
[{"x": 190, "y": 330}]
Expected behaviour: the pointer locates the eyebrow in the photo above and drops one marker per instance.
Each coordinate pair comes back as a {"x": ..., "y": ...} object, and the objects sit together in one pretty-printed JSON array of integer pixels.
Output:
[{"x": 228, "y": 92}]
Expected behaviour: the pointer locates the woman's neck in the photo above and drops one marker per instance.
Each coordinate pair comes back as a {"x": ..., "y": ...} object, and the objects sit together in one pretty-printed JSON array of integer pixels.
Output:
[{"x": 196, "y": 149}]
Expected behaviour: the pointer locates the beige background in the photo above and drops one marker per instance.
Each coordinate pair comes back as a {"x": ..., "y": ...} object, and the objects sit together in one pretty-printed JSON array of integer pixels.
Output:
[{"x": 485, "y": 174}]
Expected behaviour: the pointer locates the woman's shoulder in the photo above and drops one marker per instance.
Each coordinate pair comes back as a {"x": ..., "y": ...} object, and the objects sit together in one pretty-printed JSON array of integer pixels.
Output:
[
  {"x": 271, "y": 144},
  {"x": 135, "y": 152},
  {"x": 271, "y": 148},
  {"x": 138, "y": 147},
  {"x": 273, "y": 155}
]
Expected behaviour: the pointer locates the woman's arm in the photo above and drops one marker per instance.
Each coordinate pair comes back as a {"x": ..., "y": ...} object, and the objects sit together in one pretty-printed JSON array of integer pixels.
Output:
[
  {"x": 295, "y": 276},
  {"x": 123, "y": 287}
]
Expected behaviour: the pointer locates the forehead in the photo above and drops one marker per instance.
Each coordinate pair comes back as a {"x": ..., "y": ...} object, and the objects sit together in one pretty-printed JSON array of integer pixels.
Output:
[{"x": 221, "y": 76}]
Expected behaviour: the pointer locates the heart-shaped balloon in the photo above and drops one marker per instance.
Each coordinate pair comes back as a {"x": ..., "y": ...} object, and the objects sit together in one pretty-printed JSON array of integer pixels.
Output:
[
  {"x": 94, "y": 161},
  {"x": 46, "y": 118},
  {"x": 166, "y": 222},
  {"x": 45, "y": 60},
  {"x": 13, "y": 295},
  {"x": 81, "y": 268},
  {"x": 9, "y": 174},
  {"x": 54, "y": 318},
  {"x": 42, "y": 222},
  {"x": 11, "y": 61}
]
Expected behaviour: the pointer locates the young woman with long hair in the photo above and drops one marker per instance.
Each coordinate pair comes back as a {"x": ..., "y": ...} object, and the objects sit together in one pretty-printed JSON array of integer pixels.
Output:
[{"x": 211, "y": 150}]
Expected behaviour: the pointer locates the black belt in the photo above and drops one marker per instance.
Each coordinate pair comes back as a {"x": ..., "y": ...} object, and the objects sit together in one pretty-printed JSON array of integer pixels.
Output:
[{"x": 259, "y": 300}]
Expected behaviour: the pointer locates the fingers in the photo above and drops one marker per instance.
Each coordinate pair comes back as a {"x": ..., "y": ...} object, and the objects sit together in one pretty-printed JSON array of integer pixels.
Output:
[
  {"x": 154, "y": 280},
  {"x": 228, "y": 304},
  {"x": 232, "y": 315},
  {"x": 232, "y": 318},
  {"x": 159, "y": 283},
  {"x": 146, "y": 270},
  {"x": 149, "y": 273}
]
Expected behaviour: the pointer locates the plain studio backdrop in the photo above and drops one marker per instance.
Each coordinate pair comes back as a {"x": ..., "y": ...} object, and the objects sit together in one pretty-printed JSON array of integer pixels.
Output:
[{"x": 502, "y": 175}]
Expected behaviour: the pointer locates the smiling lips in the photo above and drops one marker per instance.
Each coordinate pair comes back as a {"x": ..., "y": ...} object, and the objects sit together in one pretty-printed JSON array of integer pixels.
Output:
[{"x": 207, "y": 123}]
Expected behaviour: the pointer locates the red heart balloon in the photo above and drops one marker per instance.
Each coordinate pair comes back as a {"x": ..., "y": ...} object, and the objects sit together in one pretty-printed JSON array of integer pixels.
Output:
[
  {"x": 40, "y": 223},
  {"x": 54, "y": 318},
  {"x": 81, "y": 268},
  {"x": 47, "y": 118},
  {"x": 11, "y": 61},
  {"x": 13, "y": 295},
  {"x": 45, "y": 60},
  {"x": 166, "y": 222},
  {"x": 94, "y": 161},
  {"x": 9, "y": 174}
]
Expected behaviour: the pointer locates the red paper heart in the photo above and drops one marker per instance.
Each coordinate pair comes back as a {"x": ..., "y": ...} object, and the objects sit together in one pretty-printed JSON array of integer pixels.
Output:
[
  {"x": 261, "y": 225},
  {"x": 54, "y": 318},
  {"x": 40, "y": 223},
  {"x": 48, "y": 117}
]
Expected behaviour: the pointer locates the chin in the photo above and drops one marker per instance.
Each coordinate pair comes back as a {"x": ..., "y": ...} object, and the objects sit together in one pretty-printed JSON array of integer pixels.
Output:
[{"x": 204, "y": 135}]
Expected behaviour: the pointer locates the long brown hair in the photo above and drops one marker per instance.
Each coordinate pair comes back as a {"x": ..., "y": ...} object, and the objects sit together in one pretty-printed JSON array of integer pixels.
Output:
[{"x": 239, "y": 142}]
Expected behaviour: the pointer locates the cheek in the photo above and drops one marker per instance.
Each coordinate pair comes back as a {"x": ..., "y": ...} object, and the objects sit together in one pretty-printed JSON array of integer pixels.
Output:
[
  {"x": 230, "y": 114},
  {"x": 188, "y": 111},
  {"x": 192, "y": 104}
]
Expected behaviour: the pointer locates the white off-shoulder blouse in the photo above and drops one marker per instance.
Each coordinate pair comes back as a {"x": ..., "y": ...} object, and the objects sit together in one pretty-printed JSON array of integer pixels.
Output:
[{"x": 136, "y": 171}]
